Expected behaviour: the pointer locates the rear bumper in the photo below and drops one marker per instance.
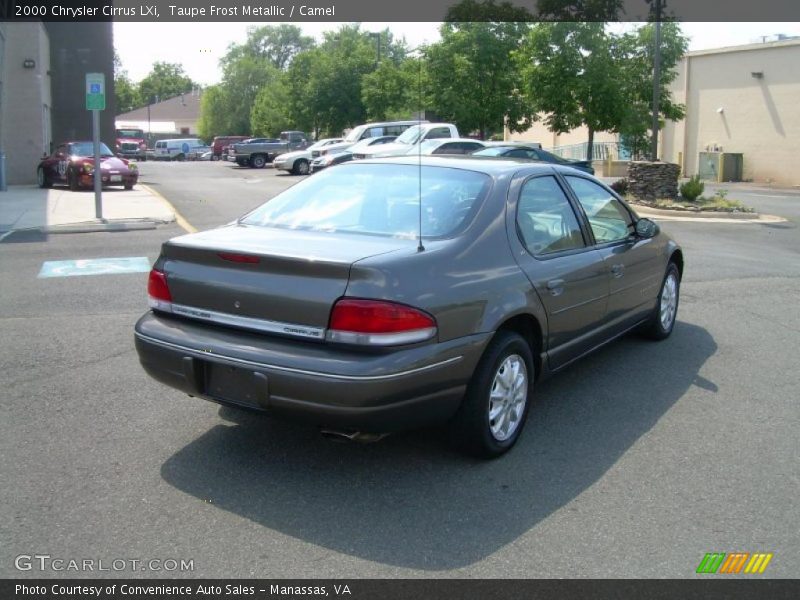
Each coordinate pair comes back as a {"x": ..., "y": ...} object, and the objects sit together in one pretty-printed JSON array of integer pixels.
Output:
[{"x": 310, "y": 381}]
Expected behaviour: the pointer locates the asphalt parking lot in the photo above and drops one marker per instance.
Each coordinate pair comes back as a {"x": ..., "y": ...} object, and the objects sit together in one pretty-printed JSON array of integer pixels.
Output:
[{"x": 635, "y": 462}]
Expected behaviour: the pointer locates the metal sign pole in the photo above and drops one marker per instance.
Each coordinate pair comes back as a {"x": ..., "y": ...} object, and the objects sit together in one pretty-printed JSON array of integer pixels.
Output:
[
  {"x": 95, "y": 102},
  {"x": 98, "y": 176}
]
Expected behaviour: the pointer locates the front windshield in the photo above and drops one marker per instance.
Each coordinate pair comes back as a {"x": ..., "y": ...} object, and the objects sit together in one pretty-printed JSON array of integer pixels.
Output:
[
  {"x": 130, "y": 133},
  {"x": 87, "y": 149},
  {"x": 355, "y": 134},
  {"x": 410, "y": 135},
  {"x": 377, "y": 199}
]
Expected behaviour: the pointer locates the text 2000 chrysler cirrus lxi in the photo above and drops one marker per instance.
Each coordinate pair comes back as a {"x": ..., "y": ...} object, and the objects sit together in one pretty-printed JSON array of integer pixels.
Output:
[{"x": 326, "y": 304}]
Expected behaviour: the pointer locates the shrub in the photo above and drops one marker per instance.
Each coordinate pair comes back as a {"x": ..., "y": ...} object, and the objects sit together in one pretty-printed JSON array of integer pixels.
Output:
[
  {"x": 620, "y": 186},
  {"x": 692, "y": 189}
]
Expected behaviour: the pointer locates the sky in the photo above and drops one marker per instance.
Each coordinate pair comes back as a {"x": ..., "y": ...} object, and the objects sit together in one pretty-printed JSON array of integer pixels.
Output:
[{"x": 199, "y": 46}]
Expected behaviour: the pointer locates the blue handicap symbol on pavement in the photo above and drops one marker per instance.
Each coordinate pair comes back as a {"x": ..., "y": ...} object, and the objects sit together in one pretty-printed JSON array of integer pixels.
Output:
[{"x": 94, "y": 266}]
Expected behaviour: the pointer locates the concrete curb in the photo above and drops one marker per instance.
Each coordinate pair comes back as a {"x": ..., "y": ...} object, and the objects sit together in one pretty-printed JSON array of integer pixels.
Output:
[
  {"x": 98, "y": 225},
  {"x": 705, "y": 216}
]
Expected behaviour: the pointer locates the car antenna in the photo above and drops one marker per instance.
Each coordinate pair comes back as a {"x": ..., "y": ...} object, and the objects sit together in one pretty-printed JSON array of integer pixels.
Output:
[{"x": 420, "y": 247}]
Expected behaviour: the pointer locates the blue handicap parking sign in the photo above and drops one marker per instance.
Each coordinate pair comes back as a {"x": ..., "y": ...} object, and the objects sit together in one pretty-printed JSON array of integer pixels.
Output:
[
  {"x": 94, "y": 88},
  {"x": 94, "y": 266}
]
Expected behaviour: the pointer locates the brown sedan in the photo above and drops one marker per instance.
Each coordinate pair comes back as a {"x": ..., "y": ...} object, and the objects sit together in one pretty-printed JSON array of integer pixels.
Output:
[{"x": 325, "y": 304}]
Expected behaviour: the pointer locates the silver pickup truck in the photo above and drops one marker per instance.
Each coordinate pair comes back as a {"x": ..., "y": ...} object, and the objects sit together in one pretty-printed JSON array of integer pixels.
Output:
[{"x": 258, "y": 154}]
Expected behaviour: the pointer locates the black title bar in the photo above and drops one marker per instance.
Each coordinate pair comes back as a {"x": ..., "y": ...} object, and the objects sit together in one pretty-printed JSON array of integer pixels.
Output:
[{"x": 266, "y": 11}]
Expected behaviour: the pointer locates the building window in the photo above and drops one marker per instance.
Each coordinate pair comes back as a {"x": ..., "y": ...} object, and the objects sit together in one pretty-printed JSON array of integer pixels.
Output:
[{"x": 184, "y": 131}]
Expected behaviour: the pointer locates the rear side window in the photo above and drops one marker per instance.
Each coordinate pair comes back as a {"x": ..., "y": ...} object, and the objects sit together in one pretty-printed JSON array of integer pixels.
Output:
[
  {"x": 545, "y": 219},
  {"x": 438, "y": 132},
  {"x": 378, "y": 199}
]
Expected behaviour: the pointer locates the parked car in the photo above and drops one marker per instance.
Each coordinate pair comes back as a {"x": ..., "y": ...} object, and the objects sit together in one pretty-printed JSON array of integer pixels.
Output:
[
  {"x": 179, "y": 149},
  {"x": 131, "y": 143},
  {"x": 299, "y": 162},
  {"x": 411, "y": 137},
  {"x": 220, "y": 143},
  {"x": 447, "y": 146},
  {"x": 258, "y": 153},
  {"x": 531, "y": 152},
  {"x": 72, "y": 164},
  {"x": 367, "y": 131},
  {"x": 330, "y": 159},
  {"x": 324, "y": 305}
]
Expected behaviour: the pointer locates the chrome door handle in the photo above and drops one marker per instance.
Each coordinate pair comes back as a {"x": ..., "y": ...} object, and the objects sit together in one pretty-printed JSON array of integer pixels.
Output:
[
  {"x": 556, "y": 286},
  {"x": 618, "y": 270}
]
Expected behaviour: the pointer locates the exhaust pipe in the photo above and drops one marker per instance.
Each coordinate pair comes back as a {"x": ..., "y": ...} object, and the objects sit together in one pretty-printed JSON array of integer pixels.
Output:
[{"x": 352, "y": 436}]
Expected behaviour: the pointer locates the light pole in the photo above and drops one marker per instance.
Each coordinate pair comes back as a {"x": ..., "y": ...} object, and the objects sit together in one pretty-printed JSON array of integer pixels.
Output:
[{"x": 656, "y": 78}]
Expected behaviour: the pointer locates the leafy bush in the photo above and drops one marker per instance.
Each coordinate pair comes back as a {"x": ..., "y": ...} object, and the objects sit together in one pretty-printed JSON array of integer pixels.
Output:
[
  {"x": 693, "y": 188},
  {"x": 620, "y": 186}
]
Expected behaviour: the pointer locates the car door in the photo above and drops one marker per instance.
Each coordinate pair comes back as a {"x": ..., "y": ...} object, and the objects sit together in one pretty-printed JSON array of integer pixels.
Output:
[
  {"x": 553, "y": 248},
  {"x": 632, "y": 263}
]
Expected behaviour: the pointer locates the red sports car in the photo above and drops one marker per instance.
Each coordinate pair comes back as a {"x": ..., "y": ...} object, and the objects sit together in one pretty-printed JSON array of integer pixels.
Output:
[{"x": 73, "y": 164}]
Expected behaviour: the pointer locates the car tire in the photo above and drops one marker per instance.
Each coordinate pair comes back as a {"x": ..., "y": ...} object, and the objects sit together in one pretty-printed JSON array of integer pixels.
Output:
[
  {"x": 128, "y": 186},
  {"x": 301, "y": 167},
  {"x": 72, "y": 181},
  {"x": 180, "y": 157},
  {"x": 662, "y": 321},
  {"x": 493, "y": 413},
  {"x": 42, "y": 179},
  {"x": 214, "y": 157},
  {"x": 258, "y": 161}
]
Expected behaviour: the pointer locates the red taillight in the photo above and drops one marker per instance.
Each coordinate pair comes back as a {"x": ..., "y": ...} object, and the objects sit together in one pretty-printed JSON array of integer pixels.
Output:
[
  {"x": 158, "y": 295},
  {"x": 356, "y": 321},
  {"x": 239, "y": 258}
]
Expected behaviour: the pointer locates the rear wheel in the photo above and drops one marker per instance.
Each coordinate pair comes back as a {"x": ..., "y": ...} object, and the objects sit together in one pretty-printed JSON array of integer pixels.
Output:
[
  {"x": 662, "y": 320},
  {"x": 494, "y": 409},
  {"x": 42, "y": 179},
  {"x": 301, "y": 167},
  {"x": 214, "y": 157},
  {"x": 128, "y": 186},
  {"x": 258, "y": 161}
]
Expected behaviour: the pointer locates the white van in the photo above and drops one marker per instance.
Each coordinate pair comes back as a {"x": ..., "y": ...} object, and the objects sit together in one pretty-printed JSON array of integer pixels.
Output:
[{"x": 180, "y": 149}]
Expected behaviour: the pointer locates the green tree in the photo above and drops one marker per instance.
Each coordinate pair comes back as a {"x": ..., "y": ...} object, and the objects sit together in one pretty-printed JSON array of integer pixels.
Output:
[
  {"x": 472, "y": 77},
  {"x": 126, "y": 93},
  {"x": 277, "y": 44},
  {"x": 637, "y": 54},
  {"x": 580, "y": 10},
  {"x": 395, "y": 89},
  {"x": 270, "y": 114},
  {"x": 571, "y": 74},
  {"x": 164, "y": 81},
  {"x": 214, "y": 116}
]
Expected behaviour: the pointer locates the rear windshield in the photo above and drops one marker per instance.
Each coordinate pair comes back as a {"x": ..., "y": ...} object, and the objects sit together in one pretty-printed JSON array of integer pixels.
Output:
[{"x": 378, "y": 199}]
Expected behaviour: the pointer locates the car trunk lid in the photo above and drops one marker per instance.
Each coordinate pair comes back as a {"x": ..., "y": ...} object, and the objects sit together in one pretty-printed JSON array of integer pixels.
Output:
[{"x": 269, "y": 279}]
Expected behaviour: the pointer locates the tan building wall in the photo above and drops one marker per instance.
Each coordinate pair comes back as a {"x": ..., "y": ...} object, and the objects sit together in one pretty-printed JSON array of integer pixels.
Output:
[
  {"x": 25, "y": 99},
  {"x": 731, "y": 107},
  {"x": 540, "y": 133},
  {"x": 760, "y": 116}
]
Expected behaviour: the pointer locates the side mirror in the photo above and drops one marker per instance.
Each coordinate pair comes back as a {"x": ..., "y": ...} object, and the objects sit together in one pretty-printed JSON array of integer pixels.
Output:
[{"x": 646, "y": 229}]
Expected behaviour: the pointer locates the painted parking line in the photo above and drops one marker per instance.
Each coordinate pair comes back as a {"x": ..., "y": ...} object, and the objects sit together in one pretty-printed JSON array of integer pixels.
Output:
[{"x": 94, "y": 266}]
